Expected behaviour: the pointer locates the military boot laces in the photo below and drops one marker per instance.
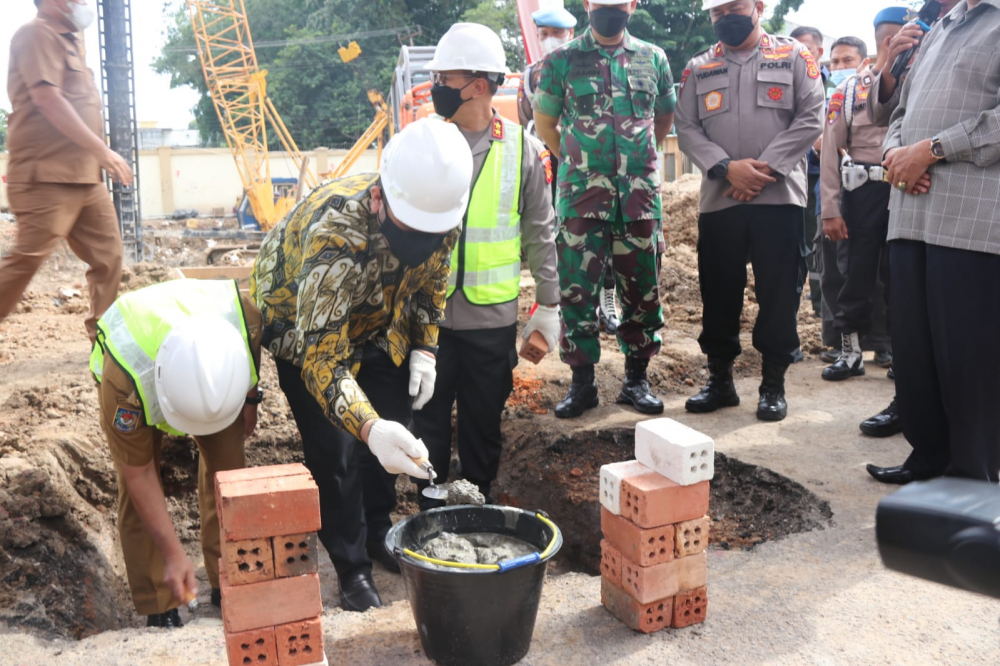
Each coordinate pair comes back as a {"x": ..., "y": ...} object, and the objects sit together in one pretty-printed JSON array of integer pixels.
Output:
[
  {"x": 636, "y": 391},
  {"x": 772, "y": 405},
  {"x": 851, "y": 362},
  {"x": 609, "y": 310},
  {"x": 582, "y": 394},
  {"x": 719, "y": 392}
]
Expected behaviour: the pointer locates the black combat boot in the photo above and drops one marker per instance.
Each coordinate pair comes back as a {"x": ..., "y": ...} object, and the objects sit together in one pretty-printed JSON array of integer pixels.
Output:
[
  {"x": 850, "y": 363},
  {"x": 719, "y": 392},
  {"x": 884, "y": 424},
  {"x": 169, "y": 620},
  {"x": 772, "y": 406},
  {"x": 636, "y": 391},
  {"x": 582, "y": 394}
]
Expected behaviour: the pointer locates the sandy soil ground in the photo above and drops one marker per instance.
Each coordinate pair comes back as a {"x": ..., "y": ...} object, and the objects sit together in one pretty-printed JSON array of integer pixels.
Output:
[{"x": 814, "y": 597}]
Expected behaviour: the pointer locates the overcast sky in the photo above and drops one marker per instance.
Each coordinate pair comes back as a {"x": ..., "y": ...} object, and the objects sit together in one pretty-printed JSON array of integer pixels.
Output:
[{"x": 157, "y": 102}]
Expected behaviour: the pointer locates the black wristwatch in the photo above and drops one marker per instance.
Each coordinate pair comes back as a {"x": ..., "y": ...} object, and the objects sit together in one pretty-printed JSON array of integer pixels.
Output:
[
  {"x": 258, "y": 399},
  {"x": 720, "y": 170},
  {"x": 937, "y": 149}
]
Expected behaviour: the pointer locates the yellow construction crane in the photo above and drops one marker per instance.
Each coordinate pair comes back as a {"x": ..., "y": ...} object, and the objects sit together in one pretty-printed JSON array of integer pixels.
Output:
[
  {"x": 374, "y": 134},
  {"x": 239, "y": 90}
]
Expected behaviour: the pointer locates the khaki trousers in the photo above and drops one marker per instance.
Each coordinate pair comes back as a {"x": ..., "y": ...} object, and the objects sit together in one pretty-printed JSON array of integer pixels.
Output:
[
  {"x": 143, "y": 561},
  {"x": 49, "y": 212}
]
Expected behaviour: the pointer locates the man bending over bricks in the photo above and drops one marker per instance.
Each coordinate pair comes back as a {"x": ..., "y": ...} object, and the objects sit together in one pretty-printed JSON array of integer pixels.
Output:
[
  {"x": 352, "y": 284},
  {"x": 179, "y": 357}
]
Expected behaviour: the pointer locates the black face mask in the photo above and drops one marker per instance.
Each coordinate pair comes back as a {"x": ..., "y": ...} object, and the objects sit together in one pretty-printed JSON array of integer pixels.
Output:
[
  {"x": 412, "y": 248},
  {"x": 733, "y": 29},
  {"x": 447, "y": 100},
  {"x": 608, "y": 21}
]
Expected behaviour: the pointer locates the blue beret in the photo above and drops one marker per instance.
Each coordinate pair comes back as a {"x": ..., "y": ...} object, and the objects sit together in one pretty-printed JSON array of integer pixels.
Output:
[
  {"x": 894, "y": 15},
  {"x": 554, "y": 18}
]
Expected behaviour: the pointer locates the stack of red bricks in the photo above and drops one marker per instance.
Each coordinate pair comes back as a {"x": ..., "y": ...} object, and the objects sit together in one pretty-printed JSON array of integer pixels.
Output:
[
  {"x": 271, "y": 603},
  {"x": 653, "y": 516}
]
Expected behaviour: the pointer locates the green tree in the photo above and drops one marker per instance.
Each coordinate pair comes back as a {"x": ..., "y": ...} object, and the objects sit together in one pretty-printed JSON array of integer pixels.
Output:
[
  {"x": 3, "y": 130},
  {"x": 501, "y": 16},
  {"x": 777, "y": 22}
]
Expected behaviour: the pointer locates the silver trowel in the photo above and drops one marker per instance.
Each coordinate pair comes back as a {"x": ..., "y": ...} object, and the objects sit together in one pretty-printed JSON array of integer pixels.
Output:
[{"x": 433, "y": 491}]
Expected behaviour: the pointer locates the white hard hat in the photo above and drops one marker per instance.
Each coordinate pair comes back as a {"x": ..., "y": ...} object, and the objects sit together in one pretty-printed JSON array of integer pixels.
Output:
[
  {"x": 426, "y": 175},
  {"x": 471, "y": 47},
  {"x": 712, "y": 4},
  {"x": 202, "y": 375}
]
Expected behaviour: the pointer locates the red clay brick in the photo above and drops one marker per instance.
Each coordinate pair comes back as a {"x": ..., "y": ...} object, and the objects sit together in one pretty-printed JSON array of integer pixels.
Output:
[
  {"x": 263, "y": 472},
  {"x": 692, "y": 571},
  {"x": 300, "y": 643},
  {"x": 611, "y": 562},
  {"x": 647, "y": 618},
  {"x": 652, "y": 500},
  {"x": 263, "y": 508},
  {"x": 255, "y": 647},
  {"x": 270, "y": 603},
  {"x": 690, "y": 608},
  {"x": 647, "y": 584},
  {"x": 692, "y": 536},
  {"x": 295, "y": 555},
  {"x": 645, "y": 547},
  {"x": 534, "y": 348},
  {"x": 249, "y": 561}
]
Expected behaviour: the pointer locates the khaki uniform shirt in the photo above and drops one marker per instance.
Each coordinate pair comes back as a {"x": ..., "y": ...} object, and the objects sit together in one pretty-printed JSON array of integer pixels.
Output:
[
  {"x": 131, "y": 440},
  {"x": 44, "y": 52},
  {"x": 526, "y": 92},
  {"x": 880, "y": 112},
  {"x": 538, "y": 243},
  {"x": 863, "y": 142},
  {"x": 766, "y": 105}
]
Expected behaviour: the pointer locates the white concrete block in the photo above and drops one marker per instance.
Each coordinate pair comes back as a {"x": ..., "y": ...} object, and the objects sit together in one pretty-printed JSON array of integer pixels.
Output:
[
  {"x": 611, "y": 482},
  {"x": 682, "y": 454}
]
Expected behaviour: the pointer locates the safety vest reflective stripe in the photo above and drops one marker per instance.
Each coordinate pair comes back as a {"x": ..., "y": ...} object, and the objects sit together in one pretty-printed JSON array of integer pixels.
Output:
[
  {"x": 491, "y": 271},
  {"x": 135, "y": 326}
]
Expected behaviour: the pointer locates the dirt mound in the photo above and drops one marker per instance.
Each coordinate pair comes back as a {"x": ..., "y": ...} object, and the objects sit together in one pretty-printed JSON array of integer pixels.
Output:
[
  {"x": 145, "y": 274},
  {"x": 749, "y": 504}
]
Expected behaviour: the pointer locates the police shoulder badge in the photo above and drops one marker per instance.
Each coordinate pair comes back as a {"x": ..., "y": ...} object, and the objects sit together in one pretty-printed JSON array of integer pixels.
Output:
[
  {"x": 546, "y": 157},
  {"x": 812, "y": 69},
  {"x": 836, "y": 106},
  {"x": 127, "y": 420},
  {"x": 684, "y": 78},
  {"x": 498, "y": 129},
  {"x": 713, "y": 101}
]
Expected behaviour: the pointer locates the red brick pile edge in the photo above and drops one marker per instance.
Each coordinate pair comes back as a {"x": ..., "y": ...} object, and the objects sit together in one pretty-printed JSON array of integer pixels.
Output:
[
  {"x": 271, "y": 602},
  {"x": 653, "y": 555}
]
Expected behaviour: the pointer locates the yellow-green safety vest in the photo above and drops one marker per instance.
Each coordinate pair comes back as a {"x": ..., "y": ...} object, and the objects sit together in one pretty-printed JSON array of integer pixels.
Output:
[
  {"x": 135, "y": 326},
  {"x": 491, "y": 272}
]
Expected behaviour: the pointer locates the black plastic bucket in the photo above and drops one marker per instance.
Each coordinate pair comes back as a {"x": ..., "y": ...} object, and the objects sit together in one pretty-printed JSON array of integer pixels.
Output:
[{"x": 469, "y": 616}]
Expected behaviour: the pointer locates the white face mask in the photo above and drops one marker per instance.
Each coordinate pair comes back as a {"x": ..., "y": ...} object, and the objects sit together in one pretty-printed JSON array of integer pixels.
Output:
[
  {"x": 80, "y": 16},
  {"x": 550, "y": 44}
]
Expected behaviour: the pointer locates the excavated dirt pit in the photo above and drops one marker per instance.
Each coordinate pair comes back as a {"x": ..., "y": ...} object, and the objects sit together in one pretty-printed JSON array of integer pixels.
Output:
[{"x": 560, "y": 474}]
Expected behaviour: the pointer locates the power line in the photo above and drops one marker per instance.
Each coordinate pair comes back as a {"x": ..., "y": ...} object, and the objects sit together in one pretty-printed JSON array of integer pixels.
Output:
[{"x": 279, "y": 43}]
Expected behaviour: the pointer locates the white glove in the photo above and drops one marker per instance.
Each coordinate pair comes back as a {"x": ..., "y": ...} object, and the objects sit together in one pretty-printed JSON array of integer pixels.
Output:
[
  {"x": 395, "y": 447},
  {"x": 422, "y": 376},
  {"x": 545, "y": 321}
]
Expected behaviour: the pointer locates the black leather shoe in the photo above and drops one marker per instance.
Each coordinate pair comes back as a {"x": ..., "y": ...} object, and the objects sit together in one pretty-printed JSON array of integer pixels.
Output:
[
  {"x": 636, "y": 391},
  {"x": 897, "y": 476},
  {"x": 798, "y": 356},
  {"x": 379, "y": 553},
  {"x": 884, "y": 424},
  {"x": 772, "y": 405},
  {"x": 891, "y": 374},
  {"x": 830, "y": 356},
  {"x": 842, "y": 370},
  {"x": 169, "y": 620},
  {"x": 217, "y": 597},
  {"x": 358, "y": 593},
  {"x": 582, "y": 394},
  {"x": 883, "y": 359},
  {"x": 719, "y": 392}
]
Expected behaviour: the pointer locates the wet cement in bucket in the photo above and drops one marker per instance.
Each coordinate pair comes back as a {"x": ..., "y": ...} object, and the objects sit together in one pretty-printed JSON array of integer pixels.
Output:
[{"x": 480, "y": 548}]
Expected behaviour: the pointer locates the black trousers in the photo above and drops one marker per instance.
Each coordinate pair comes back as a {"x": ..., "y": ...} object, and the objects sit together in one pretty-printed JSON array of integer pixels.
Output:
[
  {"x": 476, "y": 369},
  {"x": 813, "y": 237},
  {"x": 866, "y": 212},
  {"x": 945, "y": 318},
  {"x": 356, "y": 495},
  {"x": 773, "y": 237}
]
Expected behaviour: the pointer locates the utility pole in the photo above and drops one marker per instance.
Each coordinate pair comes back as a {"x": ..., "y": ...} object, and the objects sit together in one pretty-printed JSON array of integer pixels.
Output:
[{"x": 118, "y": 87}]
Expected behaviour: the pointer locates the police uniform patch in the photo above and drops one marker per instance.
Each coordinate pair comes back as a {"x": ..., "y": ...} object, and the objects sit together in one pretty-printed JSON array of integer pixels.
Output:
[
  {"x": 776, "y": 94},
  {"x": 867, "y": 80},
  {"x": 718, "y": 51},
  {"x": 812, "y": 69},
  {"x": 777, "y": 56},
  {"x": 713, "y": 101},
  {"x": 546, "y": 157},
  {"x": 127, "y": 420},
  {"x": 836, "y": 106},
  {"x": 684, "y": 77},
  {"x": 712, "y": 65},
  {"x": 498, "y": 130}
]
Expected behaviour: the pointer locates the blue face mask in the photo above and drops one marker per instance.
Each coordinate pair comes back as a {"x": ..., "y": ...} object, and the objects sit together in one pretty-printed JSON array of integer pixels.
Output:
[{"x": 841, "y": 75}]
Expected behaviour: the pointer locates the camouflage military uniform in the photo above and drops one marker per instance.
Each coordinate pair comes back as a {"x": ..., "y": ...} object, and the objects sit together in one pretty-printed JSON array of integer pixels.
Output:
[{"x": 609, "y": 186}]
